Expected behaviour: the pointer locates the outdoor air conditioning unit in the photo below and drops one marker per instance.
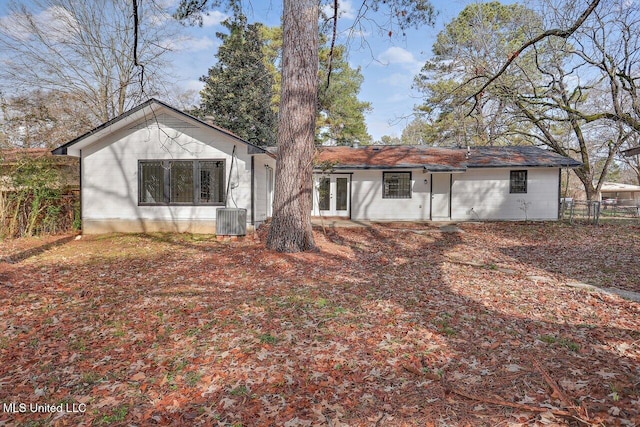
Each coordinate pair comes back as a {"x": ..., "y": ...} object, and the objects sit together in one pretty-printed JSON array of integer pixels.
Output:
[{"x": 231, "y": 222}]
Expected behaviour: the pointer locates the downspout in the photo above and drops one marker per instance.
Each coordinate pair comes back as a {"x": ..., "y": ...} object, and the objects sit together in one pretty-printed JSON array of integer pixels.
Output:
[
  {"x": 350, "y": 194},
  {"x": 560, "y": 192},
  {"x": 450, "y": 195},
  {"x": 226, "y": 196},
  {"x": 80, "y": 193},
  {"x": 253, "y": 195}
]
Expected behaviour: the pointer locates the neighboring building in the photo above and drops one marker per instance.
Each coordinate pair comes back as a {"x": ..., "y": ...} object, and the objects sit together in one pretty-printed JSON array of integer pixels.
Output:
[
  {"x": 156, "y": 168},
  {"x": 614, "y": 193}
]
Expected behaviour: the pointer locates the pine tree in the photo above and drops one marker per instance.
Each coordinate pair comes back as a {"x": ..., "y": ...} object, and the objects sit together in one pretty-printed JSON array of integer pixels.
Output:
[
  {"x": 238, "y": 88},
  {"x": 290, "y": 229},
  {"x": 340, "y": 117}
]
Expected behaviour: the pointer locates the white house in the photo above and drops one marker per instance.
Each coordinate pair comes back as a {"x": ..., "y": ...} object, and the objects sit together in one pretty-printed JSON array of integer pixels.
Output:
[
  {"x": 440, "y": 184},
  {"x": 156, "y": 168}
]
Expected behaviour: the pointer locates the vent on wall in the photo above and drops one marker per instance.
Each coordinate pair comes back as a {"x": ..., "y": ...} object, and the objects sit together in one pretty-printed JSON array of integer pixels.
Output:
[
  {"x": 163, "y": 120},
  {"x": 231, "y": 222}
]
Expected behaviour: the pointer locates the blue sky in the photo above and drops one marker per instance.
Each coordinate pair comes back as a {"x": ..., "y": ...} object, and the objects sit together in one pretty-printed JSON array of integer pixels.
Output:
[{"x": 388, "y": 64}]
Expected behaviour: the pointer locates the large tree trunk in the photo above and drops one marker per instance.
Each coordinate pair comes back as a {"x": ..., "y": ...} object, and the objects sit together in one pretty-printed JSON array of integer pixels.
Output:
[{"x": 290, "y": 229}]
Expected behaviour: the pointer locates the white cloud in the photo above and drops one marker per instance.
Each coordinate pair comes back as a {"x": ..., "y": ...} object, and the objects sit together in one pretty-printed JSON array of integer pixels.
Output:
[
  {"x": 213, "y": 18},
  {"x": 196, "y": 85},
  {"x": 197, "y": 44},
  {"x": 345, "y": 10},
  {"x": 10, "y": 26},
  {"x": 397, "y": 55},
  {"x": 168, "y": 4},
  {"x": 402, "y": 58},
  {"x": 55, "y": 23},
  {"x": 190, "y": 44}
]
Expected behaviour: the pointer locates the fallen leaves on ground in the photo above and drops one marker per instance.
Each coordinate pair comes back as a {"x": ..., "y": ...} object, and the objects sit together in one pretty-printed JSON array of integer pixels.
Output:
[{"x": 395, "y": 324}]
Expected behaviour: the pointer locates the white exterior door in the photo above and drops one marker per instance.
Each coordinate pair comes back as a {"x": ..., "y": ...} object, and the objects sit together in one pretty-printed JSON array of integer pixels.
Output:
[
  {"x": 441, "y": 196},
  {"x": 332, "y": 195}
]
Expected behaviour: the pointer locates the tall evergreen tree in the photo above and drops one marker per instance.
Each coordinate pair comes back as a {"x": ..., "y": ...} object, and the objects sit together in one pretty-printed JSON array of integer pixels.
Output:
[
  {"x": 340, "y": 115},
  {"x": 238, "y": 88}
]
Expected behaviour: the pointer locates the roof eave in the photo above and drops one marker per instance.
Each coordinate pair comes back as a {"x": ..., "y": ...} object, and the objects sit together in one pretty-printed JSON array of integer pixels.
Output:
[
  {"x": 73, "y": 147},
  {"x": 427, "y": 168},
  {"x": 526, "y": 165}
]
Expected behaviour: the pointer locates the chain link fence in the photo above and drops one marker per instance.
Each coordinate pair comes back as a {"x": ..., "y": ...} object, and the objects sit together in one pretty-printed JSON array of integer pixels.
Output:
[{"x": 580, "y": 211}]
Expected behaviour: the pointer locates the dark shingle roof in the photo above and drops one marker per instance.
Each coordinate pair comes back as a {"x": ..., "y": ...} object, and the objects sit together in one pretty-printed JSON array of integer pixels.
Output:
[{"x": 439, "y": 159}]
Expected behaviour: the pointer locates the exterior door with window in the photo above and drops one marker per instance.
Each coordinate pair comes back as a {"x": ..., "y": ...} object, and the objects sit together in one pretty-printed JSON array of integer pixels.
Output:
[
  {"x": 332, "y": 195},
  {"x": 441, "y": 196}
]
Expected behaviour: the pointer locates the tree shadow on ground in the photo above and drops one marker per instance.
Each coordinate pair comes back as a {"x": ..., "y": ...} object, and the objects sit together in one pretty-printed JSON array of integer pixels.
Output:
[
  {"x": 377, "y": 327},
  {"x": 604, "y": 256},
  {"x": 15, "y": 258}
]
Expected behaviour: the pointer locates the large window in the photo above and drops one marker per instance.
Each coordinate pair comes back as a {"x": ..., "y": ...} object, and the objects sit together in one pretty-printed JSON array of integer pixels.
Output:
[
  {"x": 518, "y": 182},
  {"x": 181, "y": 182},
  {"x": 396, "y": 185}
]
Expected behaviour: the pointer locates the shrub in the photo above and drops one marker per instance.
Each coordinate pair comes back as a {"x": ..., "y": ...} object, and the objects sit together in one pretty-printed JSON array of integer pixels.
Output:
[{"x": 33, "y": 200}]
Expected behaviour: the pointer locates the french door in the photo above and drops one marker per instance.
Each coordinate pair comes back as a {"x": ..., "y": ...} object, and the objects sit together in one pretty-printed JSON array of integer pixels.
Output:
[{"x": 332, "y": 195}]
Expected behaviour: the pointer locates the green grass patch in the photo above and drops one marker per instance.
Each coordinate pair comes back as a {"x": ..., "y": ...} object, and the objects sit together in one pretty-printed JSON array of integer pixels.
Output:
[
  {"x": 241, "y": 390},
  {"x": 117, "y": 415},
  {"x": 562, "y": 341},
  {"x": 268, "y": 339}
]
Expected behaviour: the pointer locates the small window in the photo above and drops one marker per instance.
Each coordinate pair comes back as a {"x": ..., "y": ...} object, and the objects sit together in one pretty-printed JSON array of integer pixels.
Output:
[
  {"x": 396, "y": 185},
  {"x": 186, "y": 182},
  {"x": 518, "y": 182}
]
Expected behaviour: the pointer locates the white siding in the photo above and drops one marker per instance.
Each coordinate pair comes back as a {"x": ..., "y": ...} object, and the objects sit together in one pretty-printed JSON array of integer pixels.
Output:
[
  {"x": 483, "y": 194},
  {"x": 110, "y": 174},
  {"x": 262, "y": 196},
  {"x": 367, "y": 202},
  {"x": 486, "y": 191}
]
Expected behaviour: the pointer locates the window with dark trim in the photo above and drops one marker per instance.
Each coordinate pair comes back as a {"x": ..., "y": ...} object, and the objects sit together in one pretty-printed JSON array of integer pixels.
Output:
[
  {"x": 396, "y": 185},
  {"x": 181, "y": 182},
  {"x": 518, "y": 182}
]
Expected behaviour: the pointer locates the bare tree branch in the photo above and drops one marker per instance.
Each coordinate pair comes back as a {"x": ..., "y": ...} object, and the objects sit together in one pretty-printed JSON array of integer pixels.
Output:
[
  {"x": 549, "y": 33},
  {"x": 334, "y": 35},
  {"x": 136, "y": 27}
]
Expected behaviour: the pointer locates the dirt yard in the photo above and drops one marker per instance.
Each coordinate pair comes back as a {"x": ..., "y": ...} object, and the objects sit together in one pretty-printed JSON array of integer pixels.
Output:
[{"x": 394, "y": 325}]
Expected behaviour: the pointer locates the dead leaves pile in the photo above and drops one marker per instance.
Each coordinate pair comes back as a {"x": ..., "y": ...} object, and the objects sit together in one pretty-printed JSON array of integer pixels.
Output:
[{"x": 387, "y": 325}]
